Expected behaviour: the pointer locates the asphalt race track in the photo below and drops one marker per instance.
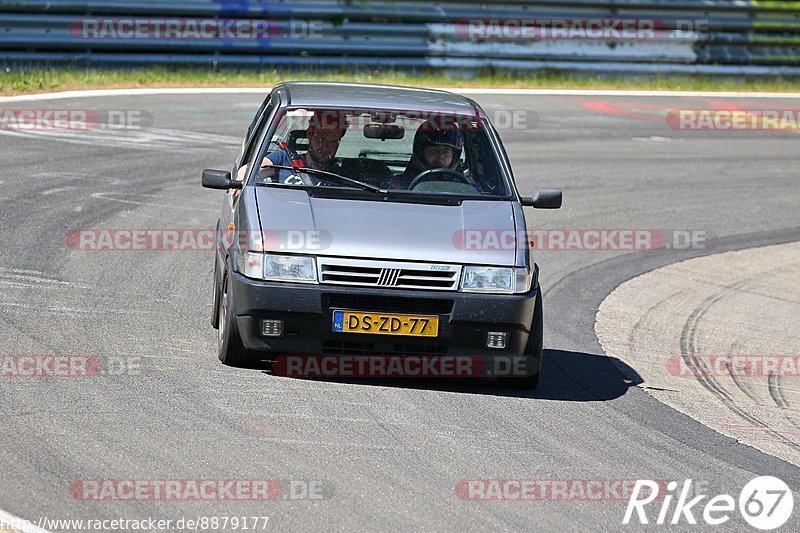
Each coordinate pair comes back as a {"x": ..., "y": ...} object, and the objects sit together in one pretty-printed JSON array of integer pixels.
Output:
[{"x": 378, "y": 454}]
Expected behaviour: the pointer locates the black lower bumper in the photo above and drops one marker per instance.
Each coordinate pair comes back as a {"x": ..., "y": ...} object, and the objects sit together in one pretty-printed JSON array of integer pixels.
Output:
[{"x": 307, "y": 311}]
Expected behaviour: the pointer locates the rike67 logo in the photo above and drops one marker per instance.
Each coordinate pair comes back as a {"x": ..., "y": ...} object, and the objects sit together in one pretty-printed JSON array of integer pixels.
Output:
[{"x": 765, "y": 503}]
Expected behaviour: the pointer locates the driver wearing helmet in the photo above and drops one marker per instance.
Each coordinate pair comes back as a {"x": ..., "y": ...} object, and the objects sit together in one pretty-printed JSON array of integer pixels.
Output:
[{"x": 435, "y": 146}]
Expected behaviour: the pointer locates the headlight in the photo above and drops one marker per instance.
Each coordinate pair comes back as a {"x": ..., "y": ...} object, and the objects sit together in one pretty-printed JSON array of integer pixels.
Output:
[
  {"x": 271, "y": 267},
  {"x": 498, "y": 280}
]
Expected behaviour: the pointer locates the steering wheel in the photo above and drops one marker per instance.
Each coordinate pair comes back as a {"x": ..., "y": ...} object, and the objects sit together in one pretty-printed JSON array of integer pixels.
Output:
[{"x": 425, "y": 175}]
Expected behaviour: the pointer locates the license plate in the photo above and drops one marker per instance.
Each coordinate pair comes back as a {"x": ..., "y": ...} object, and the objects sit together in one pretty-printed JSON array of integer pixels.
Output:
[{"x": 382, "y": 324}]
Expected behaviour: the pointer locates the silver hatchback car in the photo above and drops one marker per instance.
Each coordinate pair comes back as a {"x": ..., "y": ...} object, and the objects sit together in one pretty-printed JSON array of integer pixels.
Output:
[{"x": 375, "y": 221}]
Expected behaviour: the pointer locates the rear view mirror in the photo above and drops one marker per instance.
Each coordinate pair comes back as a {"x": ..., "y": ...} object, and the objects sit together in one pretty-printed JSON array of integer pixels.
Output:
[
  {"x": 544, "y": 199},
  {"x": 219, "y": 179},
  {"x": 384, "y": 131}
]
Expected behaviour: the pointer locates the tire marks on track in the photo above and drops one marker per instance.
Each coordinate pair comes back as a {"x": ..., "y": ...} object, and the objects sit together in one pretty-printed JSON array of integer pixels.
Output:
[
  {"x": 729, "y": 319},
  {"x": 134, "y": 139},
  {"x": 689, "y": 347}
]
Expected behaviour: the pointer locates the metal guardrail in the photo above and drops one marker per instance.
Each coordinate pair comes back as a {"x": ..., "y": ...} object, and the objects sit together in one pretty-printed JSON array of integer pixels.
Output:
[{"x": 693, "y": 36}]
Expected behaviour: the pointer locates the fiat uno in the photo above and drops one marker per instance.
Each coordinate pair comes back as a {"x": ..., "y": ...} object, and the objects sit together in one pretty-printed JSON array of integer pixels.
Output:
[{"x": 375, "y": 220}]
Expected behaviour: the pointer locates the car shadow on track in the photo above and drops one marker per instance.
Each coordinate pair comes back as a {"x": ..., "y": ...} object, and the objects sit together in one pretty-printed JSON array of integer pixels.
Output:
[{"x": 566, "y": 376}]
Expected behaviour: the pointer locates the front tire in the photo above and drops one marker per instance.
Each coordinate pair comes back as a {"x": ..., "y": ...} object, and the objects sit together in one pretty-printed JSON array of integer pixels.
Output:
[
  {"x": 231, "y": 351},
  {"x": 533, "y": 352}
]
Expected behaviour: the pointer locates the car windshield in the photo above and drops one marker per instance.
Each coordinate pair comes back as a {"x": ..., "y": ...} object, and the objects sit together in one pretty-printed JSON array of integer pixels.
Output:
[{"x": 402, "y": 152}]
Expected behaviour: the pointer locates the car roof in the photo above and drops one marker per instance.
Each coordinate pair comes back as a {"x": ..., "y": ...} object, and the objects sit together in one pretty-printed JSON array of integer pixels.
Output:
[{"x": 369, "y": 96}]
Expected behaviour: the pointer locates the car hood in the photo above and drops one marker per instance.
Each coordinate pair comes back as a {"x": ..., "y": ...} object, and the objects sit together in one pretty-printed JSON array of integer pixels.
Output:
[{"x": 292, "y": 221}]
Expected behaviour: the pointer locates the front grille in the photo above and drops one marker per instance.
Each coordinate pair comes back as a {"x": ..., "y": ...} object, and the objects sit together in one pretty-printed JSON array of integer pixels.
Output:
[
  {"x": 384, "y": 274},
  {"x": 387, "y": 304},
  {"x": 371, "y": 348}
]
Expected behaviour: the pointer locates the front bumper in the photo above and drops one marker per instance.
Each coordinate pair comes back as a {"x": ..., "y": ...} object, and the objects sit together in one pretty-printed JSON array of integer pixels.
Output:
[{"x": 307, "y": 312}]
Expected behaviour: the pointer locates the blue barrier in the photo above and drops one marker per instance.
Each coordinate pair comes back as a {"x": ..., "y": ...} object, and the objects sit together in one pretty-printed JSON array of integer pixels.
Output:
[{"x": 692, "y": 36}]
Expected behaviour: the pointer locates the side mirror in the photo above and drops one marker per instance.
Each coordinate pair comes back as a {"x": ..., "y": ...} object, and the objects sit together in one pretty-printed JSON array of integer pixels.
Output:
[
  {"x": 545, "y": 199},
  {"x": 220, "y": 179}
]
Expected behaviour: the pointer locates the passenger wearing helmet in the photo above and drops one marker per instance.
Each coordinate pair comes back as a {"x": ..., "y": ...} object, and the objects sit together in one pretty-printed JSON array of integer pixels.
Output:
[
  {"x": 435, "y": 146},
  {"x": 324, "y": 132}
]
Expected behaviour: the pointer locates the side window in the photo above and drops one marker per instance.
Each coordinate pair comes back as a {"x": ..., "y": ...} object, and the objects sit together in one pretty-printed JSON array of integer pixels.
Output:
[{"x": 251, "y": 140}]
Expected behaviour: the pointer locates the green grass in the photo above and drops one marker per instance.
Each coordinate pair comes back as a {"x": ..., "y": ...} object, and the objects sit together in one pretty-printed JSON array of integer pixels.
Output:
[{"x": 34, "y": 81}]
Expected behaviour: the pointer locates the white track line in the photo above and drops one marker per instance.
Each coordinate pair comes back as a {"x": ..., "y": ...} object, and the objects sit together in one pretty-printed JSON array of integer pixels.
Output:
[
  {"x": 519, "y": 92},
  {"x": 615, "y": 92},
  {"x": 18, "y": 524}
]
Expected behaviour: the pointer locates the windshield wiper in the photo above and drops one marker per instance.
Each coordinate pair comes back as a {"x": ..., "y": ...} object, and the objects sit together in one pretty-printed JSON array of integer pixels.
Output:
[{"x": 333, "y": 175}]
